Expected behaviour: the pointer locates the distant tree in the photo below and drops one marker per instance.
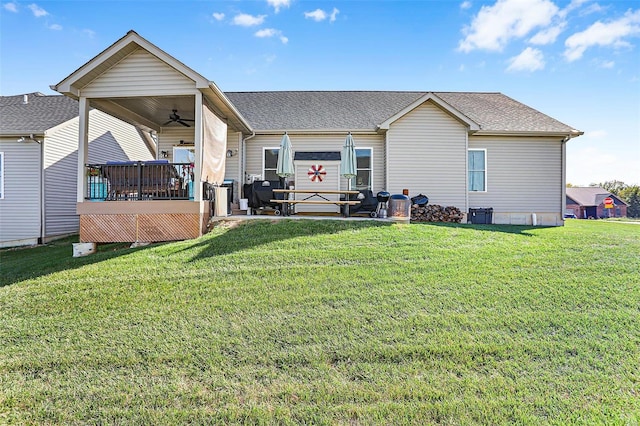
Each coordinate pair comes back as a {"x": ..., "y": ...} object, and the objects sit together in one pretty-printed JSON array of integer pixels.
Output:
[
  {"x": 569, "y": 185},
  {"x": 613, "y": 186},
  {"x": 631, "y": 196}
]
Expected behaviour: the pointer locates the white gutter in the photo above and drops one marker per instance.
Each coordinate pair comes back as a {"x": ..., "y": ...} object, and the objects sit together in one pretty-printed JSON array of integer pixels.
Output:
[{"x": 316, "y": 131}]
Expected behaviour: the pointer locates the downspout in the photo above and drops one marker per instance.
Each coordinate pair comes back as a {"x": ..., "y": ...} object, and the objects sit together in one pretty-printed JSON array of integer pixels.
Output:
[
  {"x": 563, "y": 162},
  {"x": 243, "y": 163},
  {"x": 43, "y": 210}
]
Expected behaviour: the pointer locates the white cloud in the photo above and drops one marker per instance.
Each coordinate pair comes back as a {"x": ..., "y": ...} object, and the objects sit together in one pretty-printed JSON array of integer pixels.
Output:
[
  {"x": 55, "y": 27},
  {"x": 607, "y": 64},
  {"x": 267, "y": 32},
  {"x": 592, "y": 160},
  {"x": 465, "y": 5},
  {"x": 218, "y": 16},
  {"x": 529, "y": 60},
  {"x": 246, "y": 20},
  {"x": 11, "y": 7},
  {"x": 548, "y": 35},
  {"x": 89, "y": 33},
  {"x": 38, "y": 12},
  {"x": 317, "y": 15},
  {"x": 334, "y": 14},
  {"x": 603, "y": 34},
  {"x": 593, "y": 8},
  {"x": 494, "y": 26},
  {"x": 575, "y": 4},
  {"x": 271, "y": 32},
  {"x": 277, "y": 4}
]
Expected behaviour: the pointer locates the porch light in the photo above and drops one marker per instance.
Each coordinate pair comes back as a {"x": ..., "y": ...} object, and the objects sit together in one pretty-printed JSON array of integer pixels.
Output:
[{"x": 27, "y": 138}]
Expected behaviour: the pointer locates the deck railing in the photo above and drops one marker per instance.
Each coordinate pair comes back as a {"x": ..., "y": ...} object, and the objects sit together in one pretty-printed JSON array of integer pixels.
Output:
[{"x": 142, "y": 180}]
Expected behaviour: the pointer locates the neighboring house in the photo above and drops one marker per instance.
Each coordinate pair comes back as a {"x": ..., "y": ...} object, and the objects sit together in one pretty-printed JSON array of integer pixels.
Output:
[
  {"x": 38, "y": 162},
  {"x": 468, "y": 150},
  {"x": 588, "y": 203}
]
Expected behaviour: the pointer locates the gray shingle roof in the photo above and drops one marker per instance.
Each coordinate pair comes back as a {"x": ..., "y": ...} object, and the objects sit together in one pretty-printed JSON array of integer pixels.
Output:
[
  {"x": 42, "y": 112},
  {"x": 316, "y": 110},
  {"x": 590, "y": 195}
]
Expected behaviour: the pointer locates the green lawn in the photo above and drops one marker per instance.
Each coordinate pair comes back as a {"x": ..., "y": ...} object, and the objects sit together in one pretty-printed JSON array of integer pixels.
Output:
[{"x": 328, "y": 322}]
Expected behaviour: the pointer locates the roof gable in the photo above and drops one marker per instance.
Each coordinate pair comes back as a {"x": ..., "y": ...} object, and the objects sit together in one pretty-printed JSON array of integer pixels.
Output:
[
  {"x": 430, "y": 97},
  {"x": 116, "y": 53},
  {"x": 135, "y": 70}
]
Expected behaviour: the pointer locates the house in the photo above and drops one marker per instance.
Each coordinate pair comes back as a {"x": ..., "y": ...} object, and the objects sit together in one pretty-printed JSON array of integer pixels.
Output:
[
  {"x": 469, "y": 150},
  {"x": 588, "y": 203},
  {"x": 38, "y": 159}
]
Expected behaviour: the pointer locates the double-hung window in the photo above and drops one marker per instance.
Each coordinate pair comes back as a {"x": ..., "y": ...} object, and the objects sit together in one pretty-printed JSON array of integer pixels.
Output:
[
  {"x": 270, "y": 164},
  {"x": 364, "y": 162},
  {"x": 477, "y": 168}
]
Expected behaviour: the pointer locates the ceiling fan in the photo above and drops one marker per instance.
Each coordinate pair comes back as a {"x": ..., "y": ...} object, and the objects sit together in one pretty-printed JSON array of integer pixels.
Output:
[{"x": 175, "y": 118}]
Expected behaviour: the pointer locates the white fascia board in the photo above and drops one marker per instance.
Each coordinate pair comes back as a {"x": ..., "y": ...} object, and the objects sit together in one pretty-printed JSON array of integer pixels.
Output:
[
  {"x": 473, "y": 126},
  {"x": 229, "y": 105}
]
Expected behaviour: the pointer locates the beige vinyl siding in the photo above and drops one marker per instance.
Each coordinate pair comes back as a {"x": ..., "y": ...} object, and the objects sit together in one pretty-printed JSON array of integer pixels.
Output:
[
  {"x": 171, "y": 136},
  {"x": 110, "y": 139},
  {"x": 427, "y": 154},
  {"x": 524, "y": 174},
  {"x": 232, "y": 164},
  {"x": 20, "y": 207},
  {"x": 139, "y": 74},
  {"x": 306, "y": 142}
]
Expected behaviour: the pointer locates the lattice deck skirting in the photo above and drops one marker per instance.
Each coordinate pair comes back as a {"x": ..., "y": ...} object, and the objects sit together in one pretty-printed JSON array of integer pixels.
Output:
[{"x": 98, "y": 228}]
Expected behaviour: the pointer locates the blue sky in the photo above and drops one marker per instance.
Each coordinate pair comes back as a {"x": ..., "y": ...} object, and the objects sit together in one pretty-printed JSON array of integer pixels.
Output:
[{"x": 577, "y": 61}]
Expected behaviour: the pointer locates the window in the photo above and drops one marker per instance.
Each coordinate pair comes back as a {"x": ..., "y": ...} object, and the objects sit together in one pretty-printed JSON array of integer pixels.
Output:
[
  {"x": 1, "y": 175},
  {"x": 184, "y": 155},
  {"x": 270, "y": 164},
  {"x": 364, "y": 177},
  {"x": 477, "y": 170}
]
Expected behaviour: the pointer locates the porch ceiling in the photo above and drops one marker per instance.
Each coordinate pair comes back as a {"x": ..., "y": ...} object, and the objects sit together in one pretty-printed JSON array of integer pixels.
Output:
[{"x": 149, "y": 112}]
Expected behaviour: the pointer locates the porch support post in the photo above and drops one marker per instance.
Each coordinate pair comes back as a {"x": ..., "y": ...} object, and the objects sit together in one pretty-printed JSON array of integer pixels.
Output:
[
  {"x": 198, "y": 142},
  {"x": 83, "y": 147}
]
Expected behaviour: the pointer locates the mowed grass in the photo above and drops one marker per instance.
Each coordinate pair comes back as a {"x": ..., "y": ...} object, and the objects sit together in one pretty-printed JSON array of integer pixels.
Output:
[{"x": 328, "y": 322}]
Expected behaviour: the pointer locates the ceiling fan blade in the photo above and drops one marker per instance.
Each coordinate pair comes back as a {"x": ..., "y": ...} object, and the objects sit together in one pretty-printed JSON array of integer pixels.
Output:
[
  {"x": 183, "y": 123},
  {"x": 187, "y": 119}
]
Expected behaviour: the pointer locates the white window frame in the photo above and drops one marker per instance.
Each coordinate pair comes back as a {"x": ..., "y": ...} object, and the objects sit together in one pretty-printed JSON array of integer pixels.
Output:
[
  {"x": 264, "y": 150},
  {"x": 1, "y": 175},
  {"x": 354, "y": 183},
  {"x": 187, "y": 148},
  {"x": 486, "y": 182}
]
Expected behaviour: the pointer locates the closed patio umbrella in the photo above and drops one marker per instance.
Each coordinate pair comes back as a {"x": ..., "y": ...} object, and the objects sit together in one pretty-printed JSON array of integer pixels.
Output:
[
  {"x": 348, "y": 166},
  {"x": 284, "y": 167}
]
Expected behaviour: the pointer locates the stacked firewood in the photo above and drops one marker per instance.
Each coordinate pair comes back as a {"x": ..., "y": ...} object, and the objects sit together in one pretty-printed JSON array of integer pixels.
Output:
[{"x": 435, "y": 213}]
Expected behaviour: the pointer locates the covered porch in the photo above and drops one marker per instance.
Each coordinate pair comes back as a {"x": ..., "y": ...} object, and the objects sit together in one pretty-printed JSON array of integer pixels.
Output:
[{"x": 182, "y": 116}]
